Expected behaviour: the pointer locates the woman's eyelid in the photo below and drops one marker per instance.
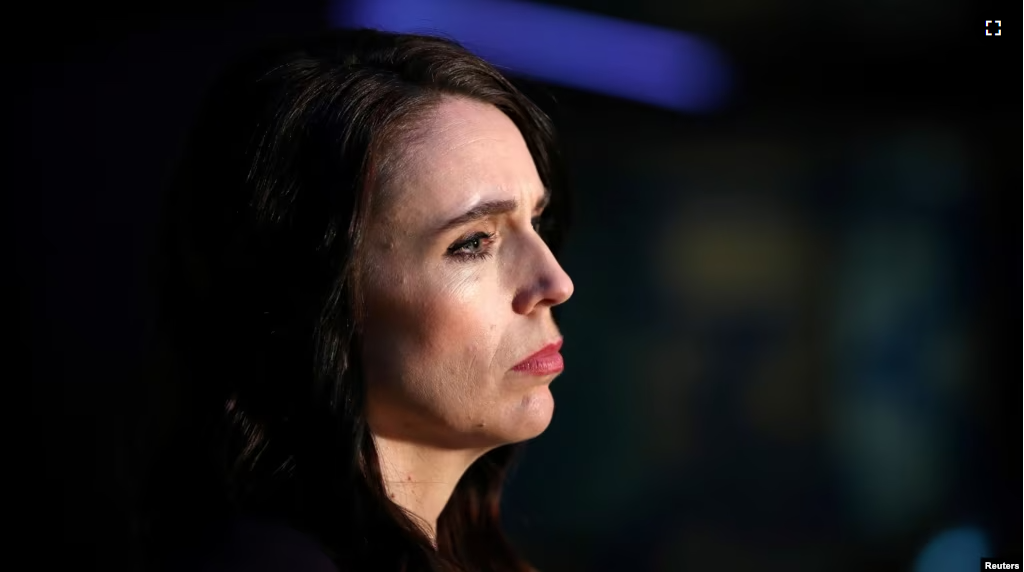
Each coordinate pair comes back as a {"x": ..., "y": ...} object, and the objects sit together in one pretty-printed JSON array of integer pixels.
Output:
[
  {"x": 477, "y": 230},
  {"x": 471, "y": 237},
  {"x": 492, "y": 234}
]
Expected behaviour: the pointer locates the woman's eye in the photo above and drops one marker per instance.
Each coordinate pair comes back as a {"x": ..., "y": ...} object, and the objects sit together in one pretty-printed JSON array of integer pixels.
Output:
[{"x": 472, "y": 247}]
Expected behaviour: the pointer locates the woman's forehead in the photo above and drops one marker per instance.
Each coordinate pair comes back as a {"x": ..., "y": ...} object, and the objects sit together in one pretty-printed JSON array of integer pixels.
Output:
[{"x": 465, "y": 151}]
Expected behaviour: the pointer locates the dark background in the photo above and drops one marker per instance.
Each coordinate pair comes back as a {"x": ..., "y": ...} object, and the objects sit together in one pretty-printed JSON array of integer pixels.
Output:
[{"x": 790, "y": 343}]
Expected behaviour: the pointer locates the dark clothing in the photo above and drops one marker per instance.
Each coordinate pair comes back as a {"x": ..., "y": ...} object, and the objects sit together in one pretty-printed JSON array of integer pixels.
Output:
[{"x": 249, "y": 545}]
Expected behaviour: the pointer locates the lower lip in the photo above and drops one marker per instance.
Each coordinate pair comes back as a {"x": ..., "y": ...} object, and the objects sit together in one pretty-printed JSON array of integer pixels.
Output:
[{"x": 542, "y": 365}]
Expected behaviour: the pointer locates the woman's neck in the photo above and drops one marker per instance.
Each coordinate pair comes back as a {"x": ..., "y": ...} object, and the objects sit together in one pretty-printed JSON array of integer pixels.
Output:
[{"x": 421, "y": 479}]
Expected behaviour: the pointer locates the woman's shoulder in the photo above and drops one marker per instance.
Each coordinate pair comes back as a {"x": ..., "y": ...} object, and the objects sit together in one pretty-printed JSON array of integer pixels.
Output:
[{"x": 254, "y": 545}]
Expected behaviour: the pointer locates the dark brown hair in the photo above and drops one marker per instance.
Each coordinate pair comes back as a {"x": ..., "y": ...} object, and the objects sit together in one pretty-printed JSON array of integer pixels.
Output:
[{"x": 260, "y": 297}]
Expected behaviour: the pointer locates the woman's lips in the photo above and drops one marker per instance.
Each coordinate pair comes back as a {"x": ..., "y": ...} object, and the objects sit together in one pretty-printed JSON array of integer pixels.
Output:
[{"x": 544, "y": 362}]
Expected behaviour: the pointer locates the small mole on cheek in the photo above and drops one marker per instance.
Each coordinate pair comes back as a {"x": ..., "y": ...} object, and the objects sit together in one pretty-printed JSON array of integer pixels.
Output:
[
  {"x": 408, "y": 478},
  {"x": 479, "y": 425}
]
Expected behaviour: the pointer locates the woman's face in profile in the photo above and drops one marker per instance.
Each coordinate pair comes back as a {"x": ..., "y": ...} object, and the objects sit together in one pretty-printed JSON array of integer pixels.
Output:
[{"x": 459, "y": 287}]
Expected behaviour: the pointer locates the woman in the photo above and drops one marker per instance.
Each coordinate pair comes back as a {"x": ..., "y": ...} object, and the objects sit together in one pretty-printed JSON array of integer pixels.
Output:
[{"x": 359, "y": 293}]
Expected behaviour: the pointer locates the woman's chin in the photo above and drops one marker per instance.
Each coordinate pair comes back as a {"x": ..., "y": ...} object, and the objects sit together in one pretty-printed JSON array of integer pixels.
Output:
[
  {"x": 523, "y": 418},
  {"x": 530, "y": 416}
]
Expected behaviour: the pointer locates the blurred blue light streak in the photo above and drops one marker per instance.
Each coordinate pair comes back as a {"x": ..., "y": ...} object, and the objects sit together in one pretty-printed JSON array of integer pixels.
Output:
[{"x": 614, "y": 57}]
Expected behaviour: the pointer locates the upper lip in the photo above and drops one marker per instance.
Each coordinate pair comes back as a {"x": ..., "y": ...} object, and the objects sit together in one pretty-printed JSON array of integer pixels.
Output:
[{"x": 548, "y": 348}]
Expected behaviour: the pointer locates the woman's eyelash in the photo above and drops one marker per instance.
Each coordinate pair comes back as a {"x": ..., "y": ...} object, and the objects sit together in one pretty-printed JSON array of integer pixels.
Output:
[
  {"x": 474, "y": 247},
  {"x": 478, "y": 245}
]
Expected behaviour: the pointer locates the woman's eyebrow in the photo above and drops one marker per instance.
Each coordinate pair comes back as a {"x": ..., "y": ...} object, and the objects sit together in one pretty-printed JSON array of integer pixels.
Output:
[
  {"x": 489, "y": 209},
  {"x": 480, "y": 211}
]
